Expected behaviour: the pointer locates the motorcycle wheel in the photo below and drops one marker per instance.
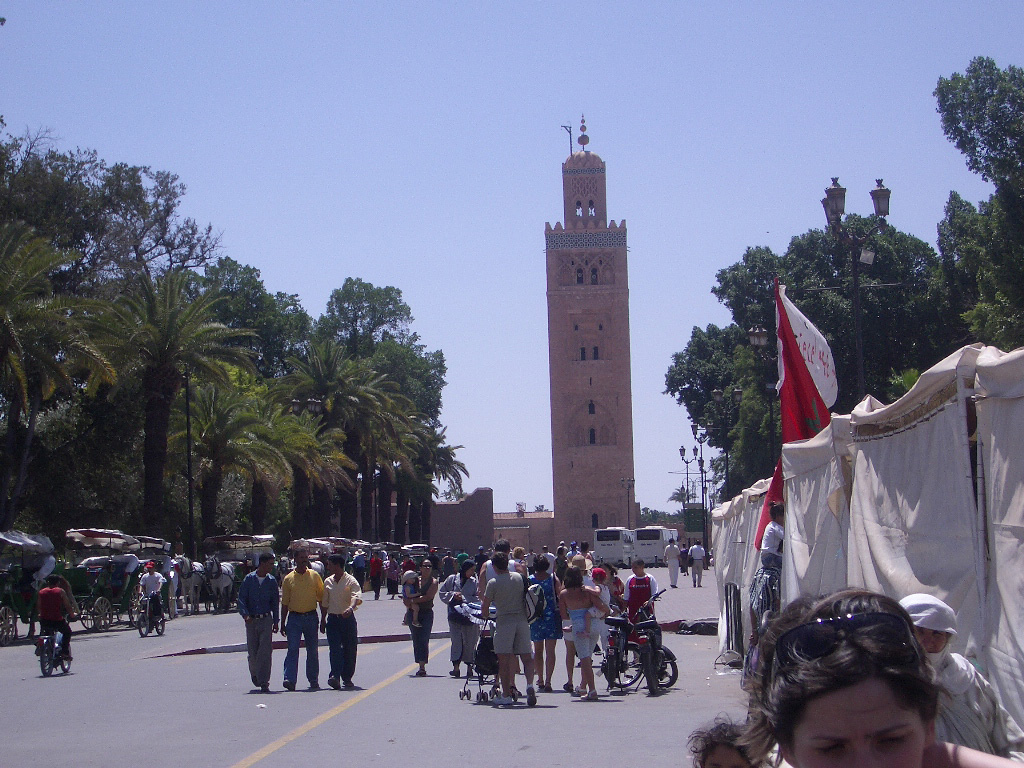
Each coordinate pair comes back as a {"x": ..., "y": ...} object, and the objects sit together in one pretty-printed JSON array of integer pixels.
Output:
[
  {"x": 46, "y": 659},
  {"x": 143, "y": 624},
  {"x": 65, "y": 665},
  {"x": 161, "y": 624},
  {"x": 652, "y": 668},
  {"x": 669, "y": 673}
]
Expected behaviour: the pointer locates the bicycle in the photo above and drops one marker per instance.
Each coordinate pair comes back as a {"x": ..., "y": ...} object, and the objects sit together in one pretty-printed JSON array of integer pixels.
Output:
[{"x": 149, "y": 619}]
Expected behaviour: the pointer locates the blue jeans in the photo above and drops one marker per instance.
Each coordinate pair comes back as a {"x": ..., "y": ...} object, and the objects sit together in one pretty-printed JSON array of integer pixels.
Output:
[
  {"x": 421, "y": 635},
  {"x": 299, "y": 626},
  {"x": 342, "y": 639}
]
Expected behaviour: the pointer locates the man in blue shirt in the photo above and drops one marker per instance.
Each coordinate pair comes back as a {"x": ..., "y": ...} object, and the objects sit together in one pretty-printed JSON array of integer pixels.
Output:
[{"x": 258, "y": 599}]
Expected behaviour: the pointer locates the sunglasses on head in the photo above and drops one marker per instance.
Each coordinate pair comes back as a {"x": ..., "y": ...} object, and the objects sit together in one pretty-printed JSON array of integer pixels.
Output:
[{"x": 819, "y": 638}]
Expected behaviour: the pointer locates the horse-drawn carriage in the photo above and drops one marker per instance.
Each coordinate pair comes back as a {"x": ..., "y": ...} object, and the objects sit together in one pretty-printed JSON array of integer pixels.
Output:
[
  {"x": 105, "y": 580},
  {"x": 230, "y": 558},
  {"x": 25, "y": 560}
]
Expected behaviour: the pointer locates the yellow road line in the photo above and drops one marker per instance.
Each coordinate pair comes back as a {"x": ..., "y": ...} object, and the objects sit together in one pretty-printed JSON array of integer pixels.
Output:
[{"x": 305, "y": 728}]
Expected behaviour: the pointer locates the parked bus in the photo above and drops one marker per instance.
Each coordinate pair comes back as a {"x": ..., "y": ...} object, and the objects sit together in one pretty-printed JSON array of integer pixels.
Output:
[
  {"x": 613, "y": 545},
  {"x": 651, "y": 541}
]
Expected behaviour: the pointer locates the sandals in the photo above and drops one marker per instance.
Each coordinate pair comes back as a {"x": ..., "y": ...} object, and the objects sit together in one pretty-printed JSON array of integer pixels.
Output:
[
  {"x": 421, "y": 673},
  {"x": 592, "y": 696},
  {"x": 568, "y": 688}
]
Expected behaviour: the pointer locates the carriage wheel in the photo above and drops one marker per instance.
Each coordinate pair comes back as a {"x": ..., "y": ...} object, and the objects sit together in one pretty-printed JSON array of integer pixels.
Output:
[
  {"x": 102, "y": 612},
  {"x": 8, "y": 625},
  {"x": 85, "y": 615}
]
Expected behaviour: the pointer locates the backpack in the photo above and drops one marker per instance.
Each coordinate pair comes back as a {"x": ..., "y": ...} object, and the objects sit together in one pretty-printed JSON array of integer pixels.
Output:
[{"x": 536, "y": 601}]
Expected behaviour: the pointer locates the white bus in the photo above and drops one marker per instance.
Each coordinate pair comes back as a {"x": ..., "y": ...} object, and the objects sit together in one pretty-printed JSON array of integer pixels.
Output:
[
  {"x": 613, "y": 545},
  {"x": 651, "y": 541}
]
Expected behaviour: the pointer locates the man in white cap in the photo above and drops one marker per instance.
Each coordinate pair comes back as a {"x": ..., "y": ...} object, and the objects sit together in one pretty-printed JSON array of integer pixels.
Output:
[{"x": 971, "y": 714}]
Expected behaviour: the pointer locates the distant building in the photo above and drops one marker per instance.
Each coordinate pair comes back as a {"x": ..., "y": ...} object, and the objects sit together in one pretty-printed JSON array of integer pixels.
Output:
[
  {"x": 467, "y": 523},
  {"x": 527, "y": 529},
  {"x": 589, "y": 357}
]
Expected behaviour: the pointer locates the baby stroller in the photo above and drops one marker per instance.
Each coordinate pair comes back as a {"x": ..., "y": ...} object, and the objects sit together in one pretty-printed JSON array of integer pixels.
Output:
[{"x": 485, "y": 666}]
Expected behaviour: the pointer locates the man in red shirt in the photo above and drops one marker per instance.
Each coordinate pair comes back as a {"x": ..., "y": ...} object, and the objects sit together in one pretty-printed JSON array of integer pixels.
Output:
[
  {"x": 53, "y": 604},
  {"x": 376, "y": 574}
]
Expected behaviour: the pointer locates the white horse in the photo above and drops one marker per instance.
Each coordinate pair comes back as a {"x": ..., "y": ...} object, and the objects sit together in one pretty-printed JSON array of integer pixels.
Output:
[
  {"x": 220, "y": 578},
  {"x": 192, "y": 576}
]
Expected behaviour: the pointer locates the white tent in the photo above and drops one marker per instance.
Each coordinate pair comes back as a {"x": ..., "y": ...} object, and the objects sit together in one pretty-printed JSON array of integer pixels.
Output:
[{"x": 896, "y": 498}]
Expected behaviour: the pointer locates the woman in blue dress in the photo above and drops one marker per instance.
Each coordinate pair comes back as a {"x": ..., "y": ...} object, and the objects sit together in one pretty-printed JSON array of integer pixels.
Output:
[{"x": 547, "y": 630}]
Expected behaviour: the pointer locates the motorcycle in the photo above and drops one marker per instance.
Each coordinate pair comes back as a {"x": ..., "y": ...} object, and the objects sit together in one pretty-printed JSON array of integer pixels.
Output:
[
  {"x": 48, "y": 649},
  {"x": 628, "y": 661},
  {"x": 151, "y": 616}
]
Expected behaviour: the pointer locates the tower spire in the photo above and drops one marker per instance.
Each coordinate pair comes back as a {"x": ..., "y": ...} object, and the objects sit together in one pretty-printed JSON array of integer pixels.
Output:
[{"x": 583, "y": 140}]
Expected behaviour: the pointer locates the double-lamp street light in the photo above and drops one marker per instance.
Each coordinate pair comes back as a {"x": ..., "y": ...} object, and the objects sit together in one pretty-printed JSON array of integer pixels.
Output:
[{"x": 834, "y": 204}]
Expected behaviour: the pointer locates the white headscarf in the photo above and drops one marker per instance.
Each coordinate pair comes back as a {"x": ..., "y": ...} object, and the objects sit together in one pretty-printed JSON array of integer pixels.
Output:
[{"x": 952, "y": 670}]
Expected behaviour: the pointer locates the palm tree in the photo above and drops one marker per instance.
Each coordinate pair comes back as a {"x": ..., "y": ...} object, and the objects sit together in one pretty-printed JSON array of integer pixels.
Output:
[
  {"x": 158, "y": 332},
  {"x": 42, "y": 344},
  {"x": 229, "y": 437},
  {"x": 354, "y": 398}
]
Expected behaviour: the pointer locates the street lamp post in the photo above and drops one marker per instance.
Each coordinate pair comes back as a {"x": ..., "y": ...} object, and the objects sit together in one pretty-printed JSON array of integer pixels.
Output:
[
  {"x": 726, "y": 427},
  {"x": 834, "y": 204},
  {"x": 627, "y": 483},
  {"x": 188, "y": 467},
  {"x": 687, "y": 462}
]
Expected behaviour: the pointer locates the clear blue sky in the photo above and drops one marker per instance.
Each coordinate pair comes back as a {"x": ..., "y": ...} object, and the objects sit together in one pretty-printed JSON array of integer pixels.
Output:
[{"x": 418, "y": 145}]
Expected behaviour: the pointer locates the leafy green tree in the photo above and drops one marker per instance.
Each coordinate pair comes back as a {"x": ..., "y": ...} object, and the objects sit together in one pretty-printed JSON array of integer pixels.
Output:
[
  {"x": 360, "y": 315},
  {"x": 281, "y": 326},
  {"x": 982, "y": 113},
  {"x": 160, "y": 332},
  {"x": 119, "y": 220},
  {"x": 911, "y": 318}
]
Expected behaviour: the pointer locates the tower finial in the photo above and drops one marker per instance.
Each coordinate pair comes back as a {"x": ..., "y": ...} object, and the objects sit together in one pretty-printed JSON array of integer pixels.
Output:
[{"x": 583, "y": 140}]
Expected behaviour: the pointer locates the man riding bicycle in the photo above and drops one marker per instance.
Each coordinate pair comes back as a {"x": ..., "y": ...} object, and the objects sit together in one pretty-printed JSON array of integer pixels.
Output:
[
  {"x": 151, "y": 583},
  {"x": 54, "y": 604}
]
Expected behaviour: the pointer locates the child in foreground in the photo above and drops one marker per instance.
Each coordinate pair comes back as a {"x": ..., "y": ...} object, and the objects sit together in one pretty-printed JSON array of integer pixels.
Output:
[{"x": 718, "y": 747}]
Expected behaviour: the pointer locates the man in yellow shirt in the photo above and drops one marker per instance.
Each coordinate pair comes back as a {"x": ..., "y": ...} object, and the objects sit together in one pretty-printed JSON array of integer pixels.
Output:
[
  {"x": 338, "y": 620},
  {"x": 301, "y": 593}
]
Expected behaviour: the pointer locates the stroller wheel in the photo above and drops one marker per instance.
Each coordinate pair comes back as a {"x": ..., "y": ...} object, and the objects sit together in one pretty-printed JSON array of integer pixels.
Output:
[{"x": 483, "y": 696}]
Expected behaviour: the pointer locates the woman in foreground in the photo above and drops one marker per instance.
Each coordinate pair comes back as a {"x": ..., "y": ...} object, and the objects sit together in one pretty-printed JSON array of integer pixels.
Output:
[{"x": 844, "y": 682}]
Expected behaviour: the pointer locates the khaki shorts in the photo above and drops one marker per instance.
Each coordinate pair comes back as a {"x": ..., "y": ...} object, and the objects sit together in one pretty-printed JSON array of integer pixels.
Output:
[{"x": 512, "y": 635}]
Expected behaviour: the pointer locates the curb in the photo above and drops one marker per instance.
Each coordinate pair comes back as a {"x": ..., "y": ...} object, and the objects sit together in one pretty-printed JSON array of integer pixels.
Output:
[
  {"x": 277, "y": 645},
  {"x": 283, "y": 644}
]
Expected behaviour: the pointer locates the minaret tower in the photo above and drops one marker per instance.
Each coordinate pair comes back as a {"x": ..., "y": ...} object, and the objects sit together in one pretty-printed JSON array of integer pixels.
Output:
[{"x": 588, "y": 353}]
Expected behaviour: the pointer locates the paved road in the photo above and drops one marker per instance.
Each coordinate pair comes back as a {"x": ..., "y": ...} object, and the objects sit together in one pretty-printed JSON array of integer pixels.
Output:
[{"x": 125, "y": 701}]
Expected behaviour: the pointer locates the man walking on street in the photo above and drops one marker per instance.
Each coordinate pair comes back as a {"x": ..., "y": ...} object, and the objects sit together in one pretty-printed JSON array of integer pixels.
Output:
[
  {"x": 696, "y": 554},
  {"x": 301, "y": 593},
  {"x": 339, "y": 603},
  {"x": 511, "y": 631},
  {"x": 672, "y": 555},
  {"x": 257, "y": 604}
]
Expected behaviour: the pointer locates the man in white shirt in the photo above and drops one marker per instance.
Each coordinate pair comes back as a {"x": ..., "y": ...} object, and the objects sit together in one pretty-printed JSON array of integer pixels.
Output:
[
  {"x": 672, "y": 554},
  {"x": 339, "y": 603},
  {"x": 696, "y": 554},
  {"x": 771, "y": 541},
  {"x": 151, "y": 583}
]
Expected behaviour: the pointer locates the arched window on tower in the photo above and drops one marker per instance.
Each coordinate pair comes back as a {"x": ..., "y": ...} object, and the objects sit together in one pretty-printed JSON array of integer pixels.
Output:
[
  {"x": 579, "y": 210},
  {"x": 592, "y": 210},
  {"x": 579, "y": 276},
  {"x": 583, "y": 353},
  {"x": 590, "y": 408},
  {"x": 593, "y": 436},
  {"x": 593, "y": 276},
  {"x": 595, "y": 354}
]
